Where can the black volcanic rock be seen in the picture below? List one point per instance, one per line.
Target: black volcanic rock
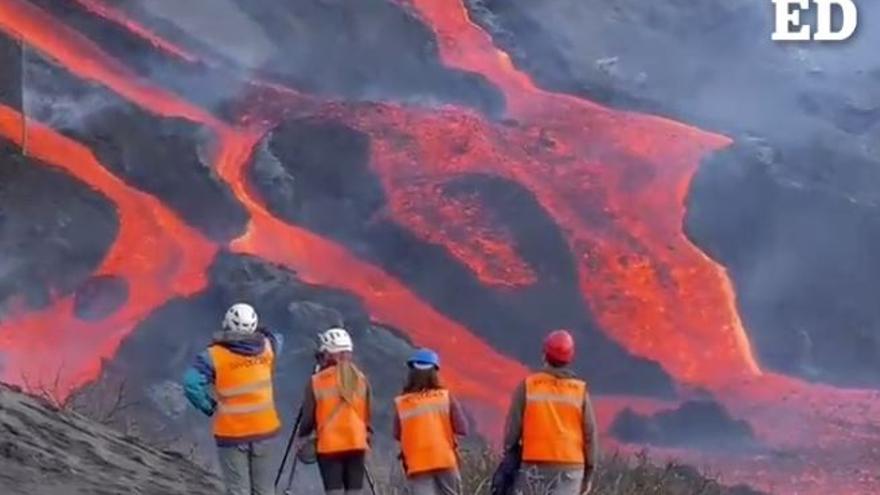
(10, 77)
(321, 176)
(664, 57)
(54, 230)
(369, 49)
(366, 50)
(99, 297)
(162, 156)
(806, 271)
(701, 424)
(151, 361)
(315, 172)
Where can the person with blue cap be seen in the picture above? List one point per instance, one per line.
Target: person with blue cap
(427, 422)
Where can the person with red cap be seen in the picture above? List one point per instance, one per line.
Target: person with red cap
(551, 425)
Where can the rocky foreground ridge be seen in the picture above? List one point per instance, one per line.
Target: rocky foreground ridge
(48, 451)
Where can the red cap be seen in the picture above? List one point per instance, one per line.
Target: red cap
(559, 347)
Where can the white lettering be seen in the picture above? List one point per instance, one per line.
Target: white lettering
(823, 20)
(788, 17)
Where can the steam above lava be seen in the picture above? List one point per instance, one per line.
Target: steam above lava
(612, 182)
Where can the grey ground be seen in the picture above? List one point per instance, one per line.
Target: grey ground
(44, 451)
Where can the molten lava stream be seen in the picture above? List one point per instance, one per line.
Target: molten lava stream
(469, 230)
(604, 145)
(476, 371)
(650, 288)
(481, 374)
(157, 255)
(85, 59)
(113, 14)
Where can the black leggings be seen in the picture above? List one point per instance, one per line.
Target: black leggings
(342, 471)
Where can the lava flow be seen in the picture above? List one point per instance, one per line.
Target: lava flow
(635, 264)
(467, 228)
(314, 259)
(154, 252)
(477, 372)
(614, 183)
(113, 14)
(82, 57)
(649, 287)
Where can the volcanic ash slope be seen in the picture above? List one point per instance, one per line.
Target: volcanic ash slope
(45, 451)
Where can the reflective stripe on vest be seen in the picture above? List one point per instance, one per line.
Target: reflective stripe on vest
(243, 385)
(426, 435)
(560, 398)
(341, 426)
(553, 422)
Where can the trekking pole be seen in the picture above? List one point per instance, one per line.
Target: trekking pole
(289, 447)
(292, 439)
(290, 476)
(370, 480)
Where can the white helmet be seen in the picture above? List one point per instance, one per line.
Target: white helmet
(335, 340)
(241, 318)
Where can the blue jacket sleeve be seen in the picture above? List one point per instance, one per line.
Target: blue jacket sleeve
(197, 382)
(275, 339)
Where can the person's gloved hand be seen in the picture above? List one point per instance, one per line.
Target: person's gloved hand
(306, 450)
(208, 407)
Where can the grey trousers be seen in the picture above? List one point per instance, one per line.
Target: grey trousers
(247, 469)
(549, 480)
(436, 483)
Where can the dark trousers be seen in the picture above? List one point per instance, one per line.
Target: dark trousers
(342, 472)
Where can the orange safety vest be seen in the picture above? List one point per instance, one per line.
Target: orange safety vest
(340, 426)
(426, 435)
(245, 398)
(553, 422)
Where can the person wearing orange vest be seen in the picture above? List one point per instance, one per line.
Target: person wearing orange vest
(427, 420)
(232, 381)
(336, 413)
(551, 421)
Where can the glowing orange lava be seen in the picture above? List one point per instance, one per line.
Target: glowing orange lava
(154, 251)
(467, 228)
(614, 182)
(635, 264)
(113, 14)
(649, 287)
(85, 59)
(474, 368)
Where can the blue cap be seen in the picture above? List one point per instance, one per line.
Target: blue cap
(424, 359)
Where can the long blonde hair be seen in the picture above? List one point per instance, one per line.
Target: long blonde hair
(347, 376)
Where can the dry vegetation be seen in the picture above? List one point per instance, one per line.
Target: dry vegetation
(104, 402)
(617, 475)
(107, 402)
